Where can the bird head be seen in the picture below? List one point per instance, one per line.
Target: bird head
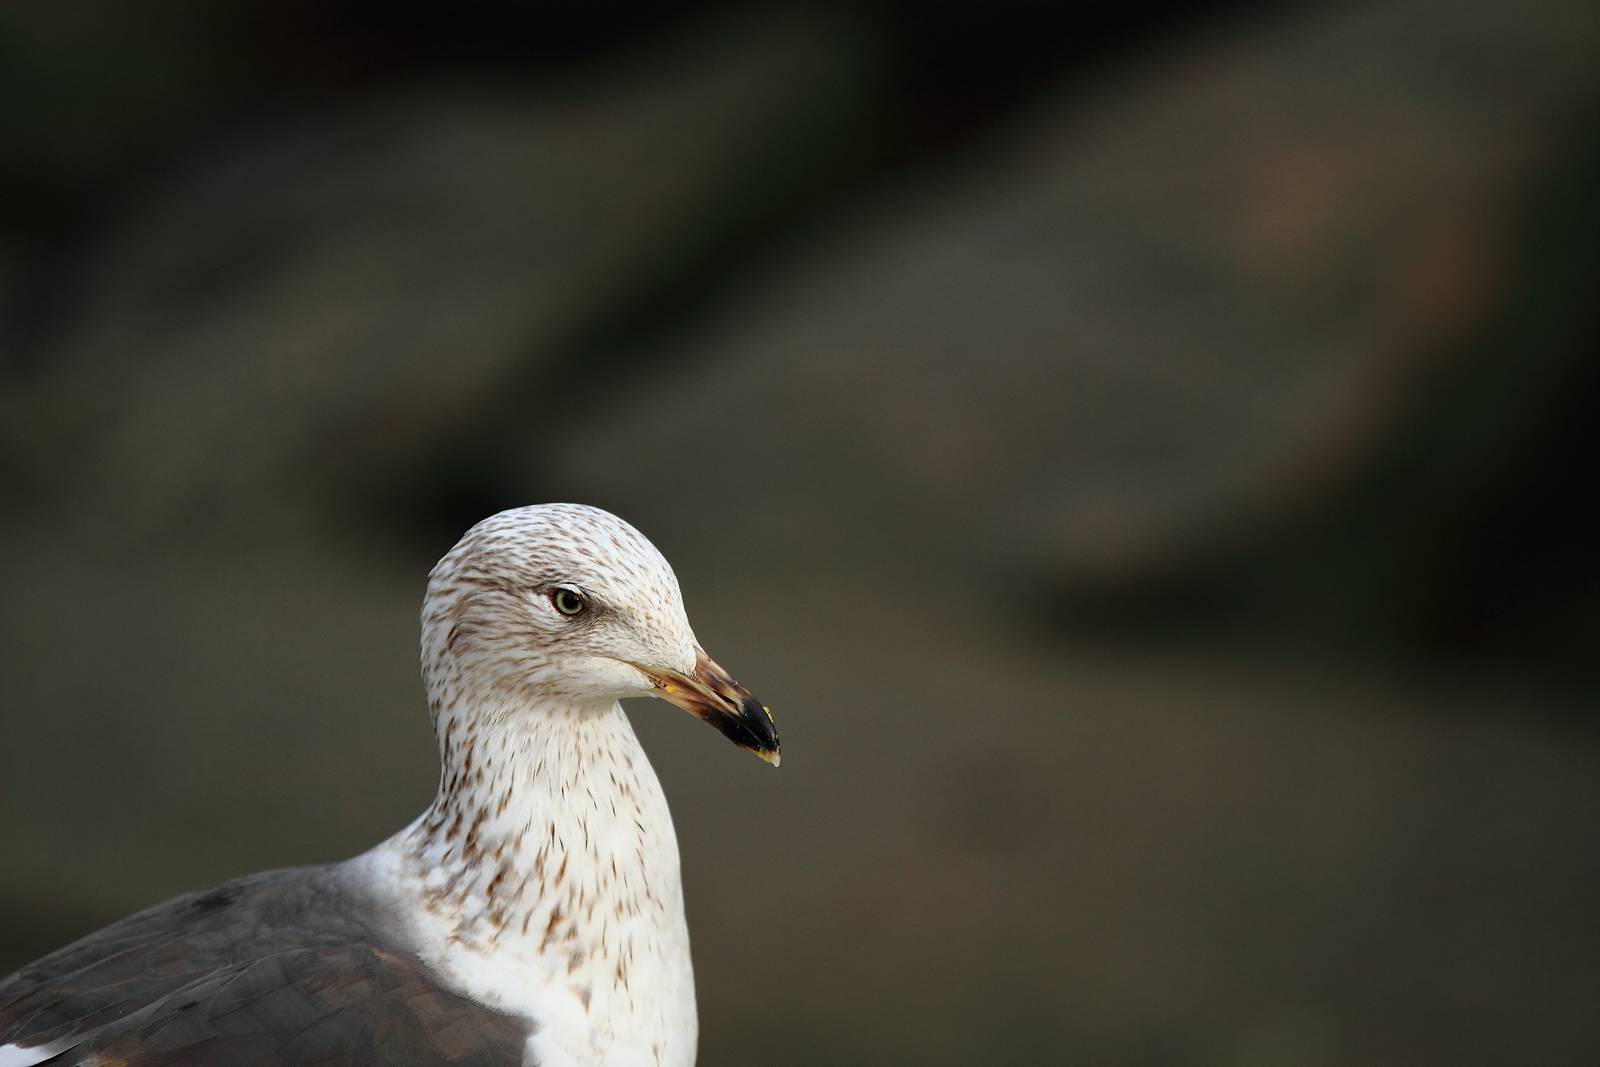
(564, 605)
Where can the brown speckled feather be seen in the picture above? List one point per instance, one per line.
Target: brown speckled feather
(287, 967)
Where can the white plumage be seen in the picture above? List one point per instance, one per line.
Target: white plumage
(544, 879)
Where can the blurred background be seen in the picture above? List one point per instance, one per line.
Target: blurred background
(1144, 459)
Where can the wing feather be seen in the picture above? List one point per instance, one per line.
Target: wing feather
(282, 968)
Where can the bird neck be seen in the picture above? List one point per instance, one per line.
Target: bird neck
(544, 877)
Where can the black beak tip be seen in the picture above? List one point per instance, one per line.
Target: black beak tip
(754, 729)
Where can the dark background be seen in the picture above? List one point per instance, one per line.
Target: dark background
(1145, 460)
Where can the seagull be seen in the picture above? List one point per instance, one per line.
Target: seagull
(532, 914)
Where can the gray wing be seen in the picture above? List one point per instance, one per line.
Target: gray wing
(278, 968)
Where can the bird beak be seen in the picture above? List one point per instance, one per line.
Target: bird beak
(711, 694)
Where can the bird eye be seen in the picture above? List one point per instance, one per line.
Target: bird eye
(568, 601)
